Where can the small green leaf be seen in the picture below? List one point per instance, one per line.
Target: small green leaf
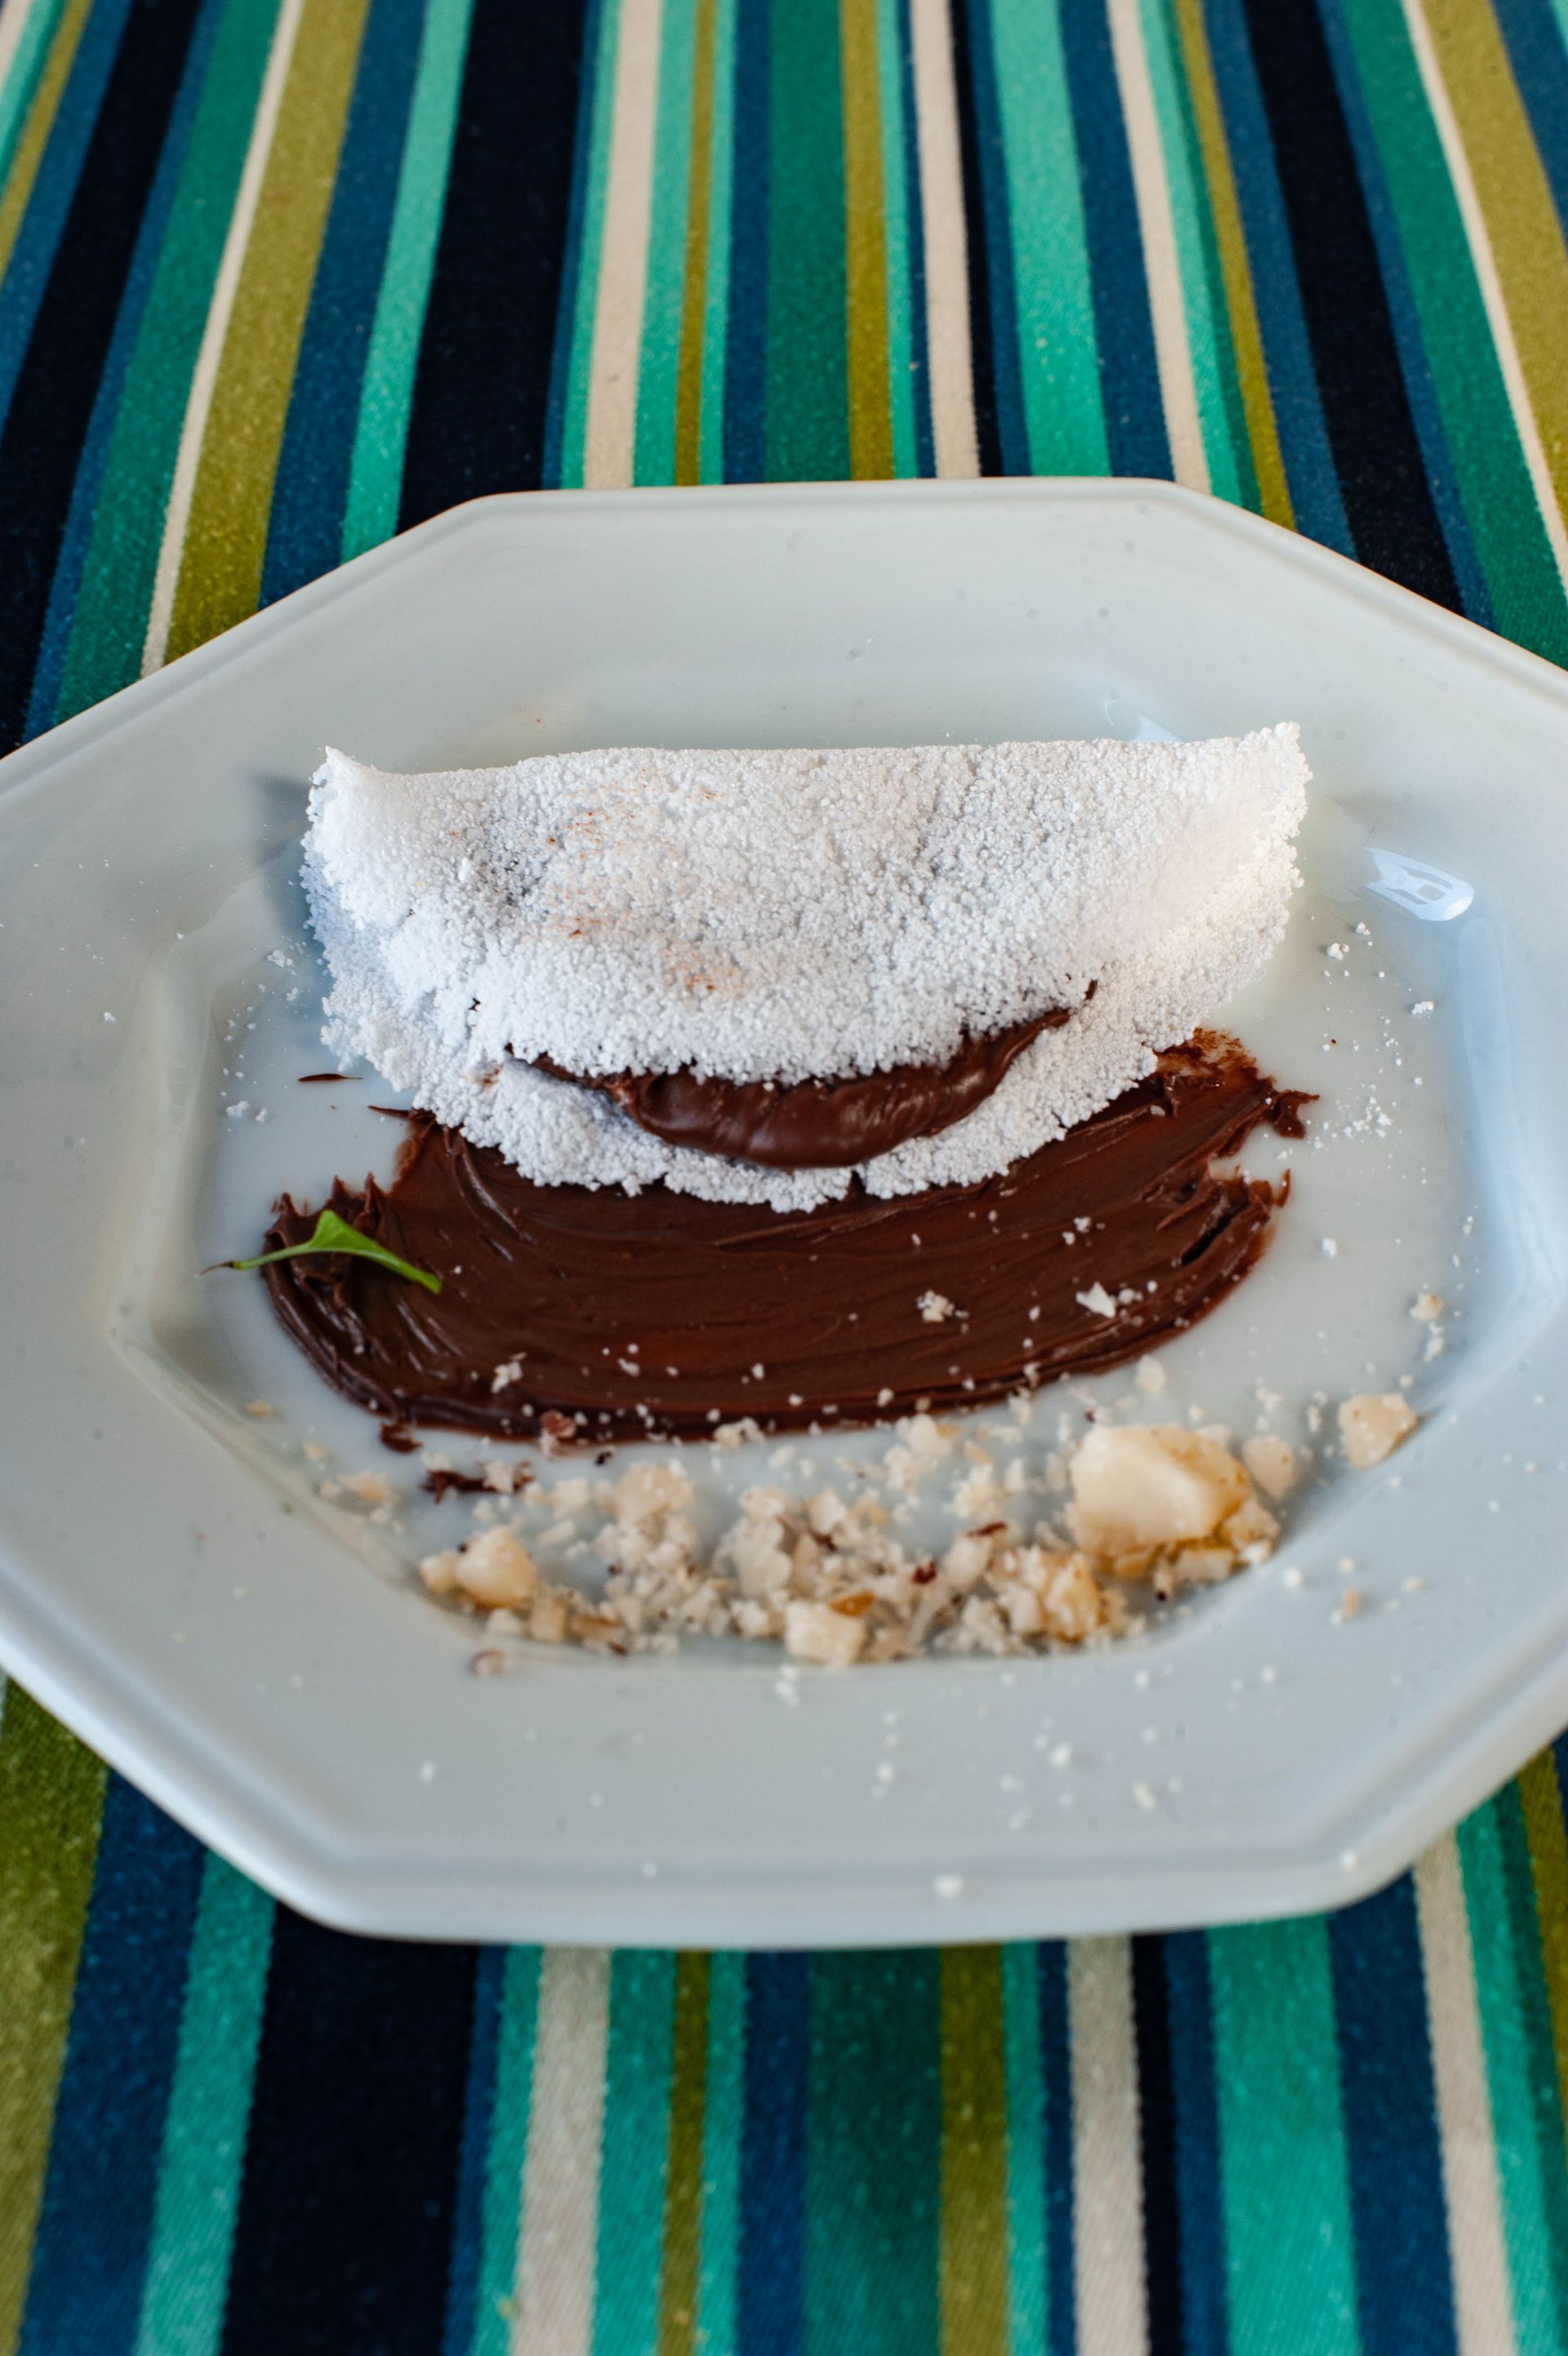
(335, 1235)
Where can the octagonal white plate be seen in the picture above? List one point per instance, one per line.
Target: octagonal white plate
(266, 1667)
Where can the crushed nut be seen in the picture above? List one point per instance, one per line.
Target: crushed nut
(1372, 1425)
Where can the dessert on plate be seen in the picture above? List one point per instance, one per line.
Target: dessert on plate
(804, 1087)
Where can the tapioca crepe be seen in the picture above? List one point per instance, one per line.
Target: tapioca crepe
(792, 917)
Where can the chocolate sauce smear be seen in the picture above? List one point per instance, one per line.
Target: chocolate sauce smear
(818, 1124)
(600, 1315)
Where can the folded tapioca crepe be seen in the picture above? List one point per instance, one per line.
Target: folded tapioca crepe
(496, 937)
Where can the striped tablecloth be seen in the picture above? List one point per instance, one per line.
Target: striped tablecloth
(281, 276)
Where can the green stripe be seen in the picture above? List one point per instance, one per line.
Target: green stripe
(110, 618)
(16, 93)
(1058, 356)
(386, 396)
(723, 2127)
(580, 343)
(975, 2280)
(898, 197)
(494, 2293)
(715, 309)
(226, 539)
(51, 1801)
(1527, 2117)
(34, 136)
(874, 2155)
(633, 2162)
(209, 2104)
(1027, 2288)
(663, 302)
(1499, 498)
(1287, 2218)
(682, 2237)
(807, 421)
(1221, 418)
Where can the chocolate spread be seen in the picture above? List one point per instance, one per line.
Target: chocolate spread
(591, 1313)
(817, 1124)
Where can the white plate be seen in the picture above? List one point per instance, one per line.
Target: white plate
(265, 1666)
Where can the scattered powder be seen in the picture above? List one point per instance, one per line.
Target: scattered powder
(783, 915)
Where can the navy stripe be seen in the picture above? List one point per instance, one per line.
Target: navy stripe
(482, 387)
(91, 2255)
(1156, 2100)
(1056, 2148)
(981, 260)
(770, 2261)
(986, 189)
(58, 385)
(1377, 458)
(473, 2156)
(745, 328)
(49, 207)
(1129, 370)
(1198, 2188)
(304, 531)
(1403, 2290)
(351, 2171)
(1539, 61)
(1436, 460)
(49, 669)
(1303, 438)
(914, 232)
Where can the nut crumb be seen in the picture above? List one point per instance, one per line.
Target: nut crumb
(1372, 1425)
(935, 1308)
(260, 1407)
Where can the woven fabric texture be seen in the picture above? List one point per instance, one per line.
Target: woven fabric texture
(280, 277)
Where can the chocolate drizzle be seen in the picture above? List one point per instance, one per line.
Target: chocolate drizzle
(817, 1124)
(591, 1313)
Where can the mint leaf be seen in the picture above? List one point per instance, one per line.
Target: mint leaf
(335, 1235)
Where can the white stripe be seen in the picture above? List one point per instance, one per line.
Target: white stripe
(1482, 2305)
(1108, 2186)
(1162, 269)
(610, 430)
(558, 2233)
(948, 357)
(13, 16)
(1491, 286)
(199, 402)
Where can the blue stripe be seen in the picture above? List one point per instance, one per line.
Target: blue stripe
(1130, 377)
(42, 709)
(915, 235)
(1404, 2287)
(1415, 373)
(32, 257)
(1199, 2193)
(91, 2254)
(745, 341)
(990, 173)
(1055, 2149)
(305, 530)
(1303, 437)
(478, 2113)
(571, 258)
(1541, 69)
(771, 2273)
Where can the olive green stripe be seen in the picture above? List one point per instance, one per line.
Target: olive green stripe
(1541, 1805)
(1235, 269)
(51, 1802)
(1478, 424)
(1521, 219)
(865, 245)
(226, 537)
(694, 287)
(974, 2270)
(40, 123)
(684, 2167)
(715, 297)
